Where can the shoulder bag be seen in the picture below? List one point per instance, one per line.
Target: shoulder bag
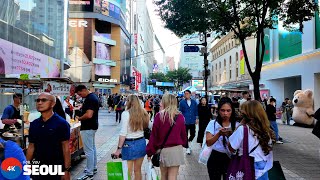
(156, 158)
(242, 167)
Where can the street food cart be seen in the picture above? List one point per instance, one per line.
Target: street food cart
(34, 86)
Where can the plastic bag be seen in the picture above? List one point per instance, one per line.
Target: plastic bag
(205, 154)
(151, 172)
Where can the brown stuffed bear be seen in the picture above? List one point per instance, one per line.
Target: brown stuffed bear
(303, 107)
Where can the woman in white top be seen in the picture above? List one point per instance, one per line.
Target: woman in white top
(132, 144)
(260, 138)
(217, 133)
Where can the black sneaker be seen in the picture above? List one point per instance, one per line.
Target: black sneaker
(85, 177)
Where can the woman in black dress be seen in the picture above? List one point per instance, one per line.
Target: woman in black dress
(205, 116)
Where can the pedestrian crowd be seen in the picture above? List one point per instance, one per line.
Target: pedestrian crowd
(236, 136)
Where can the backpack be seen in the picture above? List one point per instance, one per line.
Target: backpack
(156, 102)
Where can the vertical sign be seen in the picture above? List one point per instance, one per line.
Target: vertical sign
(242, 63)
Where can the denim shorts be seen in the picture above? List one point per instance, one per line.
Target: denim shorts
(260, 165)
(135, 149)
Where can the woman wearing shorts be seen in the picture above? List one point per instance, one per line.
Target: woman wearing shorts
(171, 156)
(132, 144)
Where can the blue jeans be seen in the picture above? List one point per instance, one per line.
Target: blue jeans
(89, 147)
(274, 127)
(260, 166)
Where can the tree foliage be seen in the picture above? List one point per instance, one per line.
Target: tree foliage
(180, 75)
(245, 18)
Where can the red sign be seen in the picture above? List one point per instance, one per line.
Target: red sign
(135, 38)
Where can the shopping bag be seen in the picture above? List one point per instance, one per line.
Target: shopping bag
(151, 172)
(242, 167)
(117, 170)
(204, 154)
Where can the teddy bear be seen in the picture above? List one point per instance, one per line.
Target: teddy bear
(303, 107)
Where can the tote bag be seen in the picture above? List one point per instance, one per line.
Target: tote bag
(242, 167)
(117, 170)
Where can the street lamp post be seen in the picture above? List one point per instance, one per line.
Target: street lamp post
(204, 53)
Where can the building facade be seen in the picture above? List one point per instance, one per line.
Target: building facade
(143, 45)
(32, 39)
(228, 69)
(291, 62)
(99, 44)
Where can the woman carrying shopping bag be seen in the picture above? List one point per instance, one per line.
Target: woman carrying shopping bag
(132, 144)
(217, 133)
(168, 137)
(255, 136)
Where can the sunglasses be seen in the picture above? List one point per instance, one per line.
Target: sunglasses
(42, 100)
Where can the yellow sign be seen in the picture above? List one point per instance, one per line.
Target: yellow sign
(242, 63)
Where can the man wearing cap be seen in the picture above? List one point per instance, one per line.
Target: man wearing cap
(49, 139)
(12, 113)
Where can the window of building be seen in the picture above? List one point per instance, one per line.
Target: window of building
(232, 43)
(225, 63)
(219, 65)
(230, 74)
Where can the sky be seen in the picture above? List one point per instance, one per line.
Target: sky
(165, 36)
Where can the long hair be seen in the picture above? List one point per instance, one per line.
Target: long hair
(139, 118)
(57, 108)
(169, 104)
(223, 101)
(200, 104)
(256, 118)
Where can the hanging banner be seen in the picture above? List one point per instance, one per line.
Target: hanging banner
(242, 63)
(57, 89)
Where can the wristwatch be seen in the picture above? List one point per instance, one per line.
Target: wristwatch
(67, 169)
(119, 147)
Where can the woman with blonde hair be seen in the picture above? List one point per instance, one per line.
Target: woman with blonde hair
(260, 138)
(132, 144)
(170, 148)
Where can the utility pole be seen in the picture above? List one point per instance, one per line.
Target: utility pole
(204, 53)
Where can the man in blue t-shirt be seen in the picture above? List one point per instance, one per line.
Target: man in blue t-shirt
(89, 126)
(49, 138)
(11, 113)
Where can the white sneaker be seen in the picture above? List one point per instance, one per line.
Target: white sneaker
(188, 151)
(279, 142)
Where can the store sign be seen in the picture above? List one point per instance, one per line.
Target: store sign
(107, 80)
(78, 23)
(56, 88)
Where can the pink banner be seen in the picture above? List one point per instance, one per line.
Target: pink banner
(20, 60)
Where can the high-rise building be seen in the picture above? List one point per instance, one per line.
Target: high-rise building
(143, 44)
(99, 44)
(170, 63)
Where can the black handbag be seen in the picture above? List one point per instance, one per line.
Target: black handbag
(147, 133)
(156, 157)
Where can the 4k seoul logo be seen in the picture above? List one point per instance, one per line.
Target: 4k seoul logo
(11, 168)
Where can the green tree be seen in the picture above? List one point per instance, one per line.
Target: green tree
(180, 75)
(246, 18)
(160, 77)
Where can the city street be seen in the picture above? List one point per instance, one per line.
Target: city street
(299, 156)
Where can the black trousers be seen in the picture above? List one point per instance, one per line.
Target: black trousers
(218, 165)
(156, 109)
(118, 115)
(192, 129)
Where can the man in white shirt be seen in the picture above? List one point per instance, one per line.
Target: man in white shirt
(245, 96)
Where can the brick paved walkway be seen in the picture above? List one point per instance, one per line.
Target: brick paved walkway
(299, 156)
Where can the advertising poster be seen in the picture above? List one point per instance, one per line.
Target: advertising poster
(197, 83)
(15, 59)
(125, 59)
(242, 63)
(132, 83)
(97, 6)
(81, 5)
(56, 88)
(103, 51)
(80, 50)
